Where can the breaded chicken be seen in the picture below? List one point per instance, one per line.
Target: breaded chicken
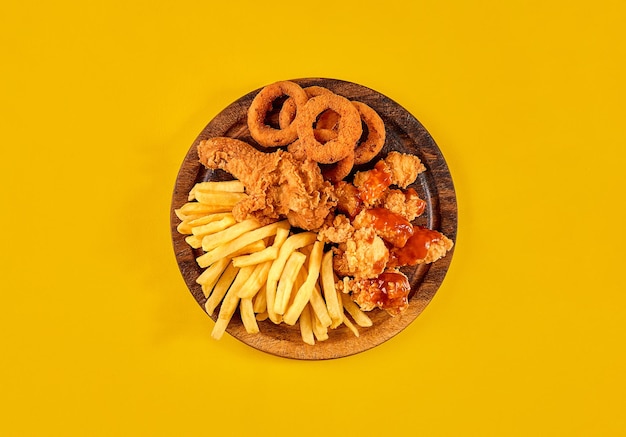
(405, 203)
(404, 168)
(277, 184)
(365, 255)
(339, 231)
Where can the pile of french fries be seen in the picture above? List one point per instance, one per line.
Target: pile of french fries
(267, 271)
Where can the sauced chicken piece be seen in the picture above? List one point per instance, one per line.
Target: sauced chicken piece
(405, 203)
(391, 227)
(424, 247)
(277, 184)
(388, 291)
(339, 231)
(372, 184)
(365, 255)
(404, 168)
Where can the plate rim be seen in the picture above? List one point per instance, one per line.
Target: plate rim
(433, 277)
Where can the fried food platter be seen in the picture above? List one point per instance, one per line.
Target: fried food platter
(404, 133)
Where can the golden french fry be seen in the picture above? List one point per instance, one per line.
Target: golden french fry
(240, 242)
(306, 328)
(319, 306)
(281, 236)
(359, 317)
(256, 281)
(319, 330)
(186, 225)
(330, 292)
(260, 304)
(194, 241)
(291, 244)
(219, 198)
(261, 316)
(214, 226)
(221, 288)
(233, 186)
(303, 295)
(267, 254)
(250, 248)
(222, 237)
(210, 276)
(287, 278)
(229, 303)
(248, 317)
(350, 325)
(198, 209)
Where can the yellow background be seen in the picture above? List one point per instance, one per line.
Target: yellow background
(100, 102)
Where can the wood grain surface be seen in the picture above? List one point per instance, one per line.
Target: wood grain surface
(405, 134)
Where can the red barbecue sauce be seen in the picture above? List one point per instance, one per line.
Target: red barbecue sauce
(377, 181)
(390, 291)
(416, 247)
(392, 227)
(411, 193)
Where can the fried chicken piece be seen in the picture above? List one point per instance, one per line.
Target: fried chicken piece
(277, 184)
(365, 255)
(424, 247)
(404, 168)
(405, 203)
(339, 231)
(391, 227)
(372, 184)
(348, 200)
(388, 291)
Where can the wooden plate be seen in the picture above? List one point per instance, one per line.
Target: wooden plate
(405, 134)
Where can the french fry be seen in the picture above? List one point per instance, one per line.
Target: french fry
(222, 237)
(291, 244)
(214, 226)
(306, 328)
(210, 276)
(233, 186)
(221, 288)
(267, 254)
(261, 316)
(260, 304)
(194, 241)
(303, 294)
(319, 306)
(240, 242)
(248, 317)
(185, 226)
(287, 278)
(256, 281)
(319, 330)
(229, 303)
(350, 325)
(219, 199)
(281, 236)
(359, 317)
(198, 209)
(335, 310)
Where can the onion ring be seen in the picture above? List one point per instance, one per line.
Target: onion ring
(339, 170)
(366, 150)
(263, 134)
(288, 111)
(321, 135)
(348, 132)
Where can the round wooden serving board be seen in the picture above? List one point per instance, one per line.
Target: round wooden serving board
(405, 134)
